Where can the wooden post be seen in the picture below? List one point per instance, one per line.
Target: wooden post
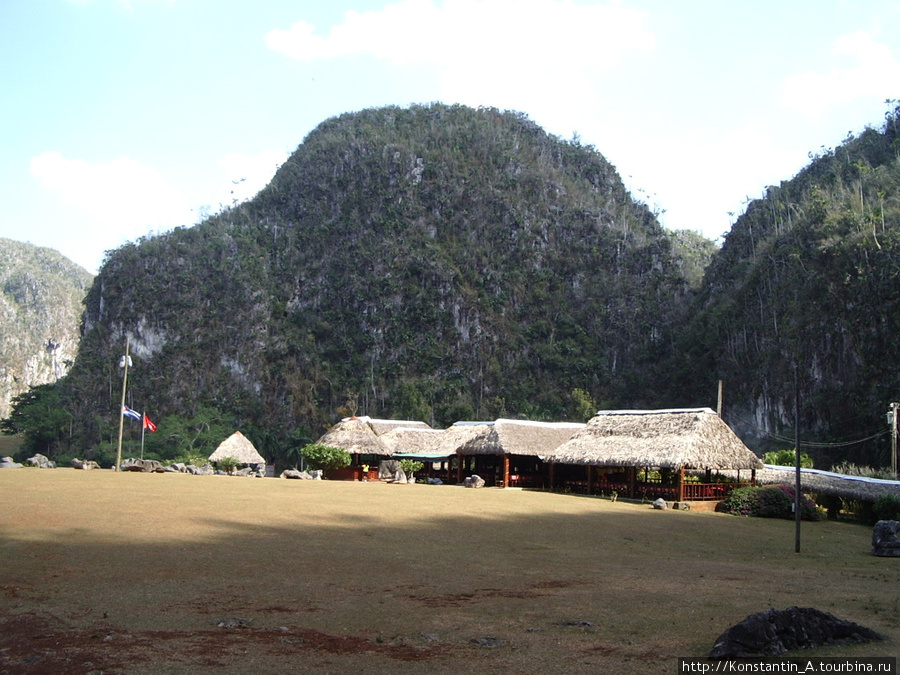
(681, 483)
(552, 470)
(632, 478)
(506, 471)
(590, 473)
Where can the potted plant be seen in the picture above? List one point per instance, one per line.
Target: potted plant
(410, 466)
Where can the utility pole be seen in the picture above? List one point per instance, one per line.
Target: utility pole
(124, 363)
(719, 403)
(893, 418)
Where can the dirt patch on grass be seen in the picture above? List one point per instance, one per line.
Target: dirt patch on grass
(145, 573)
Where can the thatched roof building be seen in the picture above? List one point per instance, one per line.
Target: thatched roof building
(240, 448)
(413, 441)
(828, 483)
(356, 437)
(381, 427)
(519, 437)
(671, 439)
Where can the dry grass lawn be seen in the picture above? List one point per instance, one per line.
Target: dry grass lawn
(147, 573)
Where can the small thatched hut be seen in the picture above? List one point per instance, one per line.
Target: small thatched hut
(619, 443)
(241, 449)
(511, 452)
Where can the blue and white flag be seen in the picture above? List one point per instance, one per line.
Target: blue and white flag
(133, 414)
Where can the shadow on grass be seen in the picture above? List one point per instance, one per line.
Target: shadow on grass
(396, 575)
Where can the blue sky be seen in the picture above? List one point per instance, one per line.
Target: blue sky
(121, 118)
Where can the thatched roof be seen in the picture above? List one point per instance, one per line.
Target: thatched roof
(413, 440)
(519, 437)
(828, 483)
(355, 436)
(381, 427)
(238, 446)
(694, 439)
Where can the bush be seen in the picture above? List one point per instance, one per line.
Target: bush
(410, 466)
(325, 457)
(788, 458)
(771, 501)
(886, 507)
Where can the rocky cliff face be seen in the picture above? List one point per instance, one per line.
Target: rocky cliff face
(435, 263)
(41, 296)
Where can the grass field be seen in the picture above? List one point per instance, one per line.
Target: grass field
(146, 573)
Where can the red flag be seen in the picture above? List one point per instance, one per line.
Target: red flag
(148, 425)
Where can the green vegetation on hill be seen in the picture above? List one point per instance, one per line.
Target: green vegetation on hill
(41, 295)
(443, 263)
(808, 277)
(436, 263)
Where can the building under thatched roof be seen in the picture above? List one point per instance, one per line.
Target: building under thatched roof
(832, 484)
(356, 437)
(381, 427)
(671, 439)
(240, 448)
(414, 441)
(519, 437)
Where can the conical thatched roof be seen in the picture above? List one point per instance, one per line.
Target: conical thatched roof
(459, 434)
(695, 439)
(519, 437)
(356, 437)
(238, 446)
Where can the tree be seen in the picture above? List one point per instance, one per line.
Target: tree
(325, 457)
(39, 417)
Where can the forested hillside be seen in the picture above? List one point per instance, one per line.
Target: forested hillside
(809, 277)
(41, 294)
(436, 263)
(442, 263)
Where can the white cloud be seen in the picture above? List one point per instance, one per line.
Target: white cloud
(484, 40)
(874, 73)
(122, 199)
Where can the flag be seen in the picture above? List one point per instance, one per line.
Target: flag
(133, 414)
(148, 424)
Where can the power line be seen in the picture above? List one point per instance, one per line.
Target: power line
(814, 444)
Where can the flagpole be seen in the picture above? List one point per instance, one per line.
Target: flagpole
(143, 429)
(122, 406)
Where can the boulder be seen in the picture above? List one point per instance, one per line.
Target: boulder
(40, 461)
(775, 632)
(8, 463)
(86, 464)
(660, 504)
(884, 538)
(295, 474)
(145, 465)
(474, 481)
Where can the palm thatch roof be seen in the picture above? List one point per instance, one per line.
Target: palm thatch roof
(381, 427)
(413, 440)
(356, 437)
(240, 448)
(828, 483)
(519, 437)
(693, 438)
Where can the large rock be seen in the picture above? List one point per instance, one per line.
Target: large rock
(884, 538)
(775, 632)
(474, 481)
(145, 465)
(85, 464)
(40, 461)
(296, 474)
(8, 463)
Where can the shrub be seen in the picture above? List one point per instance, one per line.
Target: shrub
(850, 469)
(228, 464)
(771, 501)
(410, 466)
(788, 458)
(886, 507)
(325, 457)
